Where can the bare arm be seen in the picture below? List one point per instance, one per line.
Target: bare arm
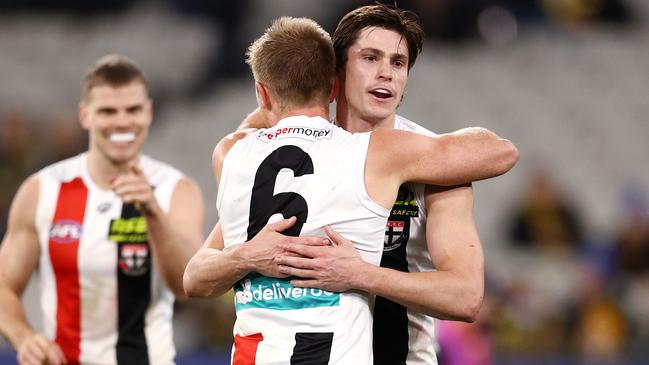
(456, 158)
(174, 236)
(255, 120)
(19, 255)
(214, 270)
(454, 291)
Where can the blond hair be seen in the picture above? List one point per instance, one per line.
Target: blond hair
(295, 60)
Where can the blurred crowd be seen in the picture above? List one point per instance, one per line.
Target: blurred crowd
(555, 290)
(29, 142)
(496, 22)
(566, 293)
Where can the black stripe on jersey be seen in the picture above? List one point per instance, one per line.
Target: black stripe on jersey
(312, 348)
(134, 296)
(390, 342)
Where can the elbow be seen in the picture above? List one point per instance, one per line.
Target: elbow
(511, 156)
(181, 295)
(191, 287)
(470, 309)
(508, 157)
(179, 290)
(466, 305)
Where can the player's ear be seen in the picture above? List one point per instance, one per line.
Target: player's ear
(334, 90)
(263, 98)
(149, 107)
(338, 81)
(83, 115)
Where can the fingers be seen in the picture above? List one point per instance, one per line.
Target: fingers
(336, 238)
(306, 283)
(60, 355)
(55, 355)
(282, 225)
(35, 352)
(293, 271)
(310, 241)
(125, 184)
(29, 358)
(135, 169)
(38, 350)
(133, 187)
(305, 250)
(295, 262)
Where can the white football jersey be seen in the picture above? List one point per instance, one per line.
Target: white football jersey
(402, 336)
(311, 169)
(102, 300)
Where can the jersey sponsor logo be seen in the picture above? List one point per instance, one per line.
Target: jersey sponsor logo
(257, 291)
(131, 230)
(397, 231)
(133, 258)
(65, 231)
(310, 134)
(406, 204)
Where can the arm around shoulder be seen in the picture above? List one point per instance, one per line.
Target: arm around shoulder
(499, 155)
(256, 119)
(449, 159)
(222, 148)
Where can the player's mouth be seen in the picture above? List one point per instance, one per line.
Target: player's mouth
(122, 137)
(381, 93)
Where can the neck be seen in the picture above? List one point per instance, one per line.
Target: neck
(102, 170)
(353, 122)
(311, 111)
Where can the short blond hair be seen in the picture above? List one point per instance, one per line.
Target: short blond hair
(113, 70)
(295, 60)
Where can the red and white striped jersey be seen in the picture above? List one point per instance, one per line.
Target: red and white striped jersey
(102, 300)
(308, 168)
(402, 336)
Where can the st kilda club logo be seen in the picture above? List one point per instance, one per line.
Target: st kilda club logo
(134, 258)
(131, 237)
(397, 231)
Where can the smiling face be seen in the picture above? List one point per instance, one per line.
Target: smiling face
(375, 75)
(117, 120)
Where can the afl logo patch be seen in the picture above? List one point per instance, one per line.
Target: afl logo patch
(66, 231)
(133, 258)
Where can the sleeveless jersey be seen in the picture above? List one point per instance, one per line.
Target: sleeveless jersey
(102, 300)
(400, 335)
(311, 169)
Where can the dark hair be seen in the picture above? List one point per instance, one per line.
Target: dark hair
(114, 70)
(404, 22)
(295, 60)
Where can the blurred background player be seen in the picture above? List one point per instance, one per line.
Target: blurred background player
(110, 231)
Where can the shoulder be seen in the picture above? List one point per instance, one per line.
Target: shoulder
(405, 124)
(159, 172)
(64, 170)
(30, 185)
(188, 191)
(24, 204)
